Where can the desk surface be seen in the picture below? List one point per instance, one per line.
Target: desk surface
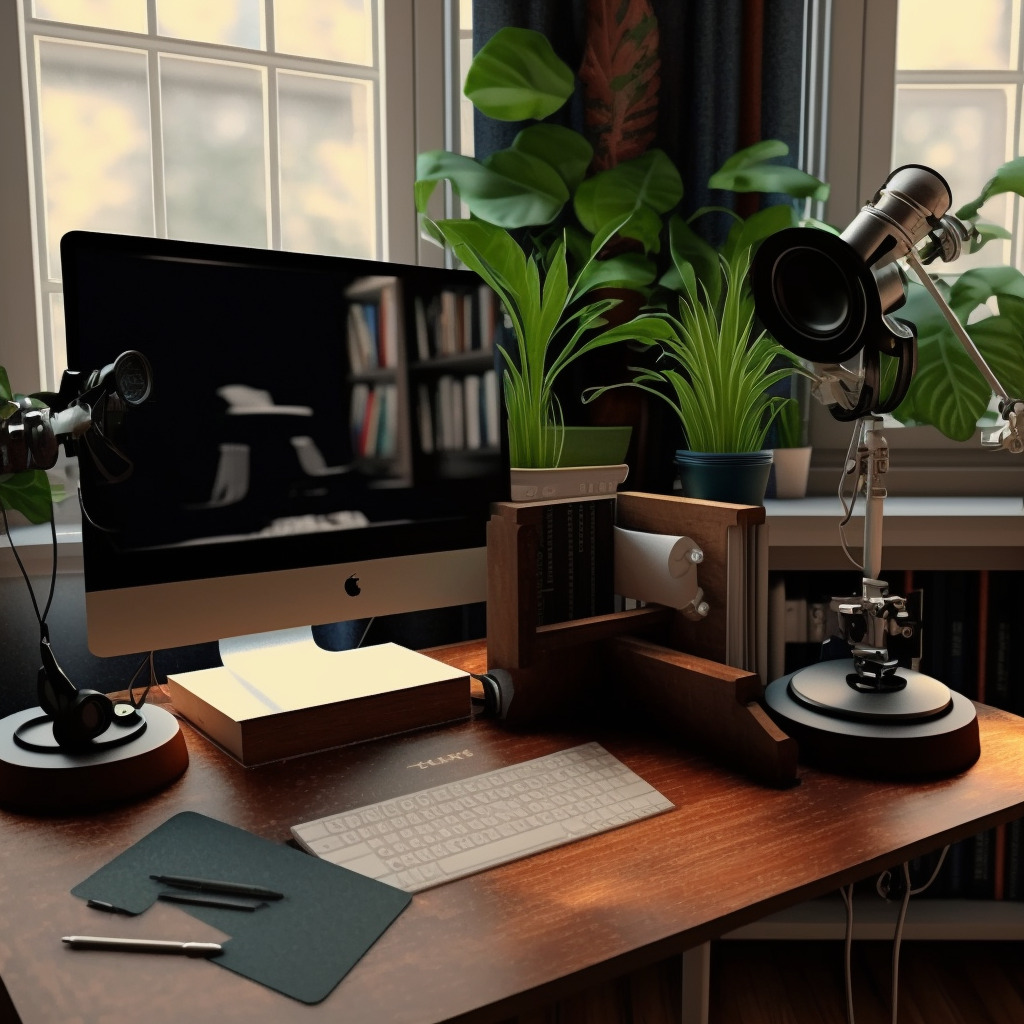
(486, 947)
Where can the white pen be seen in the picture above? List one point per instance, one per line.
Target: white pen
(143, 945)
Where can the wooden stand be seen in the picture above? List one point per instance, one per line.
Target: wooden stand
(633, 662)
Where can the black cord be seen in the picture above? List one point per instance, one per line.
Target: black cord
(148, 660)
(28, 583)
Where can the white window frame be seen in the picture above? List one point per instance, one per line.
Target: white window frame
(848, 142)
(410, 103)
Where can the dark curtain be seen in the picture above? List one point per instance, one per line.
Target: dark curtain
(731, 75)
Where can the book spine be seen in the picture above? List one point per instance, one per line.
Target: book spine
(582, 561)
(604, 557)
(546, 613)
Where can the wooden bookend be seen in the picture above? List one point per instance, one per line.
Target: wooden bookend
(557, 669)
(712, 706)
(708, 523)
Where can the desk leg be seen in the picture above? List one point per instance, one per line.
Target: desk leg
(696, 984)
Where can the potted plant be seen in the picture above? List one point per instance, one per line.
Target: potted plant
(717, 375)
(791, 458)
(554, 325)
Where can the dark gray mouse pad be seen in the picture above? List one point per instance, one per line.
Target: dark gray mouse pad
(302, 945)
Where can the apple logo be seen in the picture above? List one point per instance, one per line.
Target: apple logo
(352, 586)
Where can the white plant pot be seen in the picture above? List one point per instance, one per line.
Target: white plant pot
(566, 482)
(791, 466)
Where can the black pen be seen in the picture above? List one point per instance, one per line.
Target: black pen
(212, 885)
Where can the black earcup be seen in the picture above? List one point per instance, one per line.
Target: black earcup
(86, 717)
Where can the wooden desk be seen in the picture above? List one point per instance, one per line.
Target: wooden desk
(497, 944)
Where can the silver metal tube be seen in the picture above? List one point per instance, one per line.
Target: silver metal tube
(962, 336)
(874, 497)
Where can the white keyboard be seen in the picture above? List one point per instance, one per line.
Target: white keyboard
(424, 839)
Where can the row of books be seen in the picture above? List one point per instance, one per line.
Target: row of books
(373, 420)
(971, 640)
(459, 413)
(575, 563)
(453, 322)
(372, 335)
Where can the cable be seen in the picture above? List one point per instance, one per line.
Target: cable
(856, 490)
(41, 618)
(148, 660)
(897, 938)
(847, 972)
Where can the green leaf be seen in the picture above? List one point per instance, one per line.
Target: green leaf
(757, 227)
(747, 171)
(633, 193)
(566, 151)
(687, 247)
(1009, 178)
(517, 75)
(1001, 344)
(5, 386)
(510, 189)
(975, 287)
(982, 233)
(628, 270)
(27, 492)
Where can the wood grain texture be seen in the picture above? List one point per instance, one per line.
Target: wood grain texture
(707, 704)
(501, 943)
(708, 523)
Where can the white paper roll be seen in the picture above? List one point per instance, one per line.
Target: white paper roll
(658, 568)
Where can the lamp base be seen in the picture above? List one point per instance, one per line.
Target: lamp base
(38, 779)
(921, 731)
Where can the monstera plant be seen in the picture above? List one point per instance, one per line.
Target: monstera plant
(948, 391)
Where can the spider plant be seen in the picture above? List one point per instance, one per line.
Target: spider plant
(713, 374)
(553, 325)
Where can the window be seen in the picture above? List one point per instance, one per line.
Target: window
(958, 97)
(283, 123)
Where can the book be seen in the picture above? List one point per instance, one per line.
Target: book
(458, 410)
(426, 419)
(422, 334)
(279, 702)
(471, 395)
(445, 417)
(575, 562)
(490, 401)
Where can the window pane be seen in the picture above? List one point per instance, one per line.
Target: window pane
(328, 191)
(58, 340)
(339, 30)
(465, 13)
(465, 106)
(95, 137)
(963, 133)
(946, 34)
(127, 15)
(232, 22)
(214, 157)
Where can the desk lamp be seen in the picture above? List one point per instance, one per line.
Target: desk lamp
(828, 298)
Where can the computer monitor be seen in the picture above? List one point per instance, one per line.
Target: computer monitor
(322, 443)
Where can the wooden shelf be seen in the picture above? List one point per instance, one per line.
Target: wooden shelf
(477, 359)
(380, 373)
(937, 919)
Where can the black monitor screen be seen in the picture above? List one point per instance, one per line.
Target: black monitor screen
(306, 410)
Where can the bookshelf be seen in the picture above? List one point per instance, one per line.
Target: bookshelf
(377, 381)
(453, 384)
(974, 549)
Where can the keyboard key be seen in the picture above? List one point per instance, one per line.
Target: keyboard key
(498, 851)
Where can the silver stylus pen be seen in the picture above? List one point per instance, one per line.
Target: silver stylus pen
(143, 945)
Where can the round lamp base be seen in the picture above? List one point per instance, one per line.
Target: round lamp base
(56, 781)
(916, 736)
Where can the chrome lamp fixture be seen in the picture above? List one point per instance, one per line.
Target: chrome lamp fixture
(828, 299)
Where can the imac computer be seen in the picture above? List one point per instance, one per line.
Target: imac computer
(322, 443)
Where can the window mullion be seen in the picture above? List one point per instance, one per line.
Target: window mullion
(273, 131)
(157, 135)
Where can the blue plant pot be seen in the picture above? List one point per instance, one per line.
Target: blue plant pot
(736, 477)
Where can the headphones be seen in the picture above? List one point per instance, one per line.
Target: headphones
(80, 717)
